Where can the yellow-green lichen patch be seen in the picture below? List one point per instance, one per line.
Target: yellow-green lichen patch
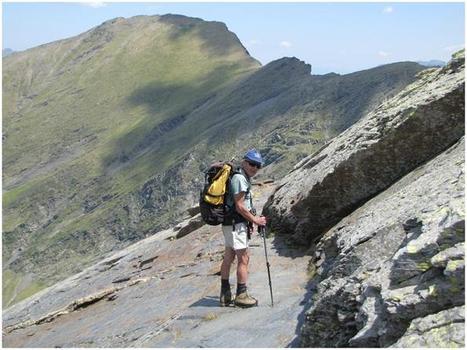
(424, 266)
(454, 265)
(433, 291)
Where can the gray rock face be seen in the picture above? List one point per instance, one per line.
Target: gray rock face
(392, 272)
(403, 133)
(444, 329)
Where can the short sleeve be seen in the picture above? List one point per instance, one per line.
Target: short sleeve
(239, 184)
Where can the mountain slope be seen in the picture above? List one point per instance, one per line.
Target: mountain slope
(76, 109)
(106, 134)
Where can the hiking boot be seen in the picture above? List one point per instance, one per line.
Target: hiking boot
(244, 300)
(226, 298)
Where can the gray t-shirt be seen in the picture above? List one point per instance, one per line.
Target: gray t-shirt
(240, 183)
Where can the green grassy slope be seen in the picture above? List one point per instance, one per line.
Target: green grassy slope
(76, 110)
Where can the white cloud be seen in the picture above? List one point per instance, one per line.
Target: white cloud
(254, 42)
(285, 44)
(383, 54)
(94, 4)
(388, 9)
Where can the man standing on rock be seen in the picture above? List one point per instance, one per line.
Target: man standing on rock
(237, 228)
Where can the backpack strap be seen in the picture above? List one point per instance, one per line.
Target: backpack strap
(238, 170)
(231, 213)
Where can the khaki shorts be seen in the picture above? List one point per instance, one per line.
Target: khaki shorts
(237, 239)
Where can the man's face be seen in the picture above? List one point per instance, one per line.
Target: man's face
(251, 168)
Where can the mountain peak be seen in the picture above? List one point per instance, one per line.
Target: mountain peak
(290, 64)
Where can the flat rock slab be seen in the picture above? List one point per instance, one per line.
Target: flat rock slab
(163, 292)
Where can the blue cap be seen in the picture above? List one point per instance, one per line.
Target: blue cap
(254, 156)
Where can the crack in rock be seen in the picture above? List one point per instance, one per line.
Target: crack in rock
(80, 303)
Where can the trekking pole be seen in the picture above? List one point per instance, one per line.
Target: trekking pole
(262, 231)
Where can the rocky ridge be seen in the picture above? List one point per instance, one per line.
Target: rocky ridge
(6, 52)
(399, 135)
(390, 269)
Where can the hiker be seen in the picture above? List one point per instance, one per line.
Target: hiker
(237, 228)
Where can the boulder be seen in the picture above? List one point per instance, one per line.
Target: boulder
(401, 134)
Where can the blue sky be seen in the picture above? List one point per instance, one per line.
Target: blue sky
(332, 37)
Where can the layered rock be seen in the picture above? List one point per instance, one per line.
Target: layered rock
(392, 272)
(401, 134)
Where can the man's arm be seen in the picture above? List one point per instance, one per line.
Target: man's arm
(239, 200)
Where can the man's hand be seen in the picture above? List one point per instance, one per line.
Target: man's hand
(260, 220)
(243, 211)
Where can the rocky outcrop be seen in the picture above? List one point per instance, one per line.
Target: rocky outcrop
(401, 134)
(394, 268)
(382, 209)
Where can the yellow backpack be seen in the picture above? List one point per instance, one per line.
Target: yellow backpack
(214, 193)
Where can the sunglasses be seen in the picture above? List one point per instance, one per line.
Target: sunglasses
(256, 165)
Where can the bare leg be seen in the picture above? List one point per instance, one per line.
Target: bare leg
(243, 258)
(229, 257)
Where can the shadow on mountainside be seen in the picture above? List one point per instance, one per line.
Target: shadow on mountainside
(167, 116)
(286, 247)
(281, 243)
